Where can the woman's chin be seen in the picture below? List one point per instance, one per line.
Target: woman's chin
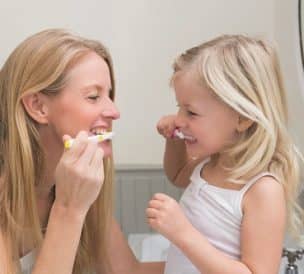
(107, 148)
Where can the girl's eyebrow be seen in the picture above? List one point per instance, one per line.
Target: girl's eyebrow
(184, 105)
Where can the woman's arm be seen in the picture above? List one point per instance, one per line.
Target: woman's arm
(61, 241)
(79, 177)
(122, 259)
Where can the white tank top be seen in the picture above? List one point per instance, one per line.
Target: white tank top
(215, 212)
(27, 262)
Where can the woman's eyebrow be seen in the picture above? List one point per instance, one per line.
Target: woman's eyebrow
(97, 87)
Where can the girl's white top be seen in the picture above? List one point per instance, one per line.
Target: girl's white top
(27, 262)
(215, 212)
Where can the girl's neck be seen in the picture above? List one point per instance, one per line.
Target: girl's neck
(215, 174)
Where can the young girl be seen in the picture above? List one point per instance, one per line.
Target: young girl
(236, 161)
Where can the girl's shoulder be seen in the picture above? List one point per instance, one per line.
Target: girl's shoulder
(266, 191)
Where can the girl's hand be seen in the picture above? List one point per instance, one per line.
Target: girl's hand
(166, 217)
(79, 175)
(166, 126)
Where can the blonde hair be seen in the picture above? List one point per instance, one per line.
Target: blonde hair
(245, 74)
(40, 64)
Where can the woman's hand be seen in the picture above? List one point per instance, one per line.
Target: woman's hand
(166, 126)
(166, 217)
(79, 175)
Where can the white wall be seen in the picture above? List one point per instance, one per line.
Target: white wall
(287, 35)
(144, 37)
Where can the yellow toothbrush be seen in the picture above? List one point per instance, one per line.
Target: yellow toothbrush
(95, 138)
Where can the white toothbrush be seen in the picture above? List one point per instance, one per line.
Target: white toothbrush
(95, 138)
(178, 134)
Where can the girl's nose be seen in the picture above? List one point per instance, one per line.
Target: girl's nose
(179, 120)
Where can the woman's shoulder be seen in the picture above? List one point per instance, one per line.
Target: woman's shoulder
(1, 180)
(3, 249)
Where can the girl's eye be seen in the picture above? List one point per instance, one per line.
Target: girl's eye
(190, 113)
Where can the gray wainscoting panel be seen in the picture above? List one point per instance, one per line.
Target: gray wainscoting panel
(133, 190)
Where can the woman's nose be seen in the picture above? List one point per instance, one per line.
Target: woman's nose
(111, 111)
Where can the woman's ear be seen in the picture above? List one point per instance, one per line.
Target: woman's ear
(36, 107)
(243, 124)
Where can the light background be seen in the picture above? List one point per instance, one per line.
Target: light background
(144, 37)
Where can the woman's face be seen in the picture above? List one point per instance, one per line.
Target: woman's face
(84, 104)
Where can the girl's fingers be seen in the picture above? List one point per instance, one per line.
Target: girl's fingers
(157, 204)
(152, 213)
(160, 197)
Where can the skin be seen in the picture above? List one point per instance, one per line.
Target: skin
(212, 126)
(80, 108)
(78, 172)
(77, 111)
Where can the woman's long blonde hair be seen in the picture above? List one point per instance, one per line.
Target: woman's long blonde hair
(40, 64)
(245, 74)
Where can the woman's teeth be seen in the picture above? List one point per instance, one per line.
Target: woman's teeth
(98, 131)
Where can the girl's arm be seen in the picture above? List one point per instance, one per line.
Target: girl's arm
(262, 232)
(177, 165)
(175, 160)
(263, 227)
(122, 259)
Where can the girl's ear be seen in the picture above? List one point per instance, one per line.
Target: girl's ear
(36, 107)
(243, 124)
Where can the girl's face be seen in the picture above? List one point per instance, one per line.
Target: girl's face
(84, 103)
(210, 123)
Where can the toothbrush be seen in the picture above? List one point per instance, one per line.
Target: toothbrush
(178, 134)
(95, 138)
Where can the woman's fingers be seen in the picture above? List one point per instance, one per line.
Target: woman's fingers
(97, 164)
(79, 145)
(80, 174)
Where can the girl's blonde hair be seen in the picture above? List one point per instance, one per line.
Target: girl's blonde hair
(245, 74)
(40, 64)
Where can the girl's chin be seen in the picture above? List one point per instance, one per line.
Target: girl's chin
(195, 153)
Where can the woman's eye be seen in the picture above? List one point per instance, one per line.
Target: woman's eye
(93, 97)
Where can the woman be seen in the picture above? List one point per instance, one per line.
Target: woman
(56, 204)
